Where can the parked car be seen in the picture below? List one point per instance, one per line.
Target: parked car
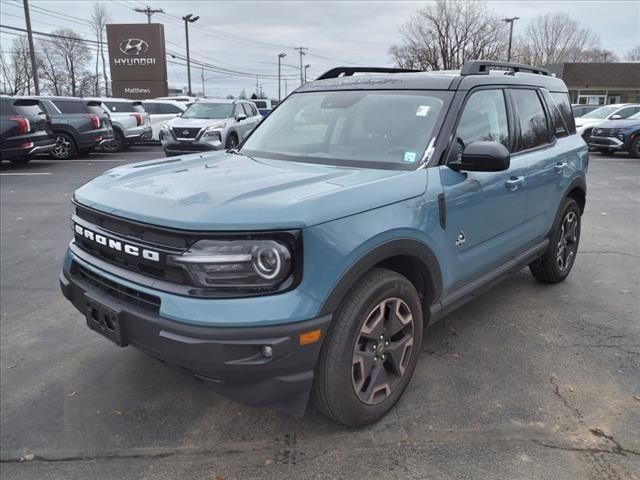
(25, 129)
(617, 136)
(580, 110)
(618, 111)
(209, 125)
(130, 121)
(264, 106)
(161, 111)
(313, 256)
(80, 125)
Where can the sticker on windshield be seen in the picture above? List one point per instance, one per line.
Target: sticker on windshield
(423, 110)
(410, 157)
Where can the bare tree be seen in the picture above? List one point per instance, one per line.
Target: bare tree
(599, 55)
(73, 54)
(100, 17)
(556, 38)
(51, 68)
(443, 35)
(633, 55)
(15, 66)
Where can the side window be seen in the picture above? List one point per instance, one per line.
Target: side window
(70, 106)
(238, 110)
(627, 112)
(484, 119)
(561, 101)
(534, 130)
(150, 108)
(168, 108)
(247, 110)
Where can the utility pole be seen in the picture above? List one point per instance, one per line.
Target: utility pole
(32, 52)
(257, 86)
(280, 57)
(187, 20)
(148, 12)
(286, 90)
(202, 78)
(301, 51)
(305, 73)
(510, 22)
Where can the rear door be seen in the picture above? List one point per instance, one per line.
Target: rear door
(485, 211)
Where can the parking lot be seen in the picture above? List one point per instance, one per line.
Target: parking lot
(527, 381)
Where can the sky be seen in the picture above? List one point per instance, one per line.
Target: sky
(247, 36)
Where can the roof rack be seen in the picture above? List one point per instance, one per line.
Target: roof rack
(482, 67)
(348, 71)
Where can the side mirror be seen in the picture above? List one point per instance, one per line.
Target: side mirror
(241, 116)
(483, 157)
(615, 117)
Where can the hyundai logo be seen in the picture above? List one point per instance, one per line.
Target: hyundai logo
(134, 46)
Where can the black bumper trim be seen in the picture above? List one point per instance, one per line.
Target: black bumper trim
(228, 359)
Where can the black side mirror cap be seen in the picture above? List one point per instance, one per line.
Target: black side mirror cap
(483, 157)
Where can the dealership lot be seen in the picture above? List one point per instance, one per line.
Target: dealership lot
(527, 381)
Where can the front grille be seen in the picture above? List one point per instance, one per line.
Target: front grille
(186, 132)
(115, 290)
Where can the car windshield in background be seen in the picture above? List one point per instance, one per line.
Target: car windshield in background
(372, 129)
(635, 116)
(209, 110)
(602, 112)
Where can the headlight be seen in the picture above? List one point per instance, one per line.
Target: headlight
(257, 265)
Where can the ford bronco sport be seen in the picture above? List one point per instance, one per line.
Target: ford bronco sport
(310, 259)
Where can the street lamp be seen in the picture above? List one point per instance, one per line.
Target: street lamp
(510, 22)
(187, 20)
(305, 73)
(280, 57)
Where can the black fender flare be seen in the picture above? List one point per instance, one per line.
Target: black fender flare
(578, 182)
(68, 131)
(426, 259)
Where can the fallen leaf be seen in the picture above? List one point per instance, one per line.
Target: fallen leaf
(571, 389)
(117, 412)
(27, 458)
(72, 394)
(13, 365)
(603, 213)
(219, 477)
(637, 397)
(455, 355)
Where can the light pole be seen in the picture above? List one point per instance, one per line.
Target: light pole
(510, 22)
(280, 57)
(187, 20)
(305, 73)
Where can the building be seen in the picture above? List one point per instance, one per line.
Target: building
(600, 83)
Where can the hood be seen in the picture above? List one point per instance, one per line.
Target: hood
(180, 122)
(619, 123)
(220, 191)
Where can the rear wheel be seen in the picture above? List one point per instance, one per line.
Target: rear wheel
(65, 147)
(118, 144)
(556, 262)
(371, 350)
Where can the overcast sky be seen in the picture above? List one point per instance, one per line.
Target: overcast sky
(242, 34)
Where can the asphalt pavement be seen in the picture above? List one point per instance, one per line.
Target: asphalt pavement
(529, 381)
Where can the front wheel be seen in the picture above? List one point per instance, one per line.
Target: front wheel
(232, 141)
(371, 350)
(65, 147)
(556, 262)
(117, 144)
(634, 150)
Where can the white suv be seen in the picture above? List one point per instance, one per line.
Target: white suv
(161, 111)
(618, 111)
(130, 123)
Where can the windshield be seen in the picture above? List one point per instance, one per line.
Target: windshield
(209, 110)
(374, 129)
(602, 112)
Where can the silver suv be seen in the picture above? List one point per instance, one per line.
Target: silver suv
(209, 124)
(130, 122)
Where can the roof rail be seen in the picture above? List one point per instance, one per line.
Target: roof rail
(483, 67)
(348, 71)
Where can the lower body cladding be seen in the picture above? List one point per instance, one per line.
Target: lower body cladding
(257, 366)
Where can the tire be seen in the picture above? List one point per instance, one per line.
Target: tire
(232, 141)
(557, 261)
(65, 148)
(20, 160)
(634, 149)
(353, 352)
(118, 144)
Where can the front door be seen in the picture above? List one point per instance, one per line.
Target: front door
(485, 211)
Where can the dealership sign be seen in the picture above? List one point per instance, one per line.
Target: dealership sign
(138, 60)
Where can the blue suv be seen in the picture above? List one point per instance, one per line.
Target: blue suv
(309, 260)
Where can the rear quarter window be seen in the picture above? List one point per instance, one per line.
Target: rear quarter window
(561, 101)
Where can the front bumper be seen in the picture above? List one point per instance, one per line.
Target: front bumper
(229, 359)
(180, 148)
(610, 143)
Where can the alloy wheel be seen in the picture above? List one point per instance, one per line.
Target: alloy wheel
(63, 147)
(382, 351)
(568, 241)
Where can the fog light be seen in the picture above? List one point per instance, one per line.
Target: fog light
(267, 351)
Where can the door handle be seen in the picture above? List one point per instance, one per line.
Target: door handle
(514, 182)
(559, 167)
